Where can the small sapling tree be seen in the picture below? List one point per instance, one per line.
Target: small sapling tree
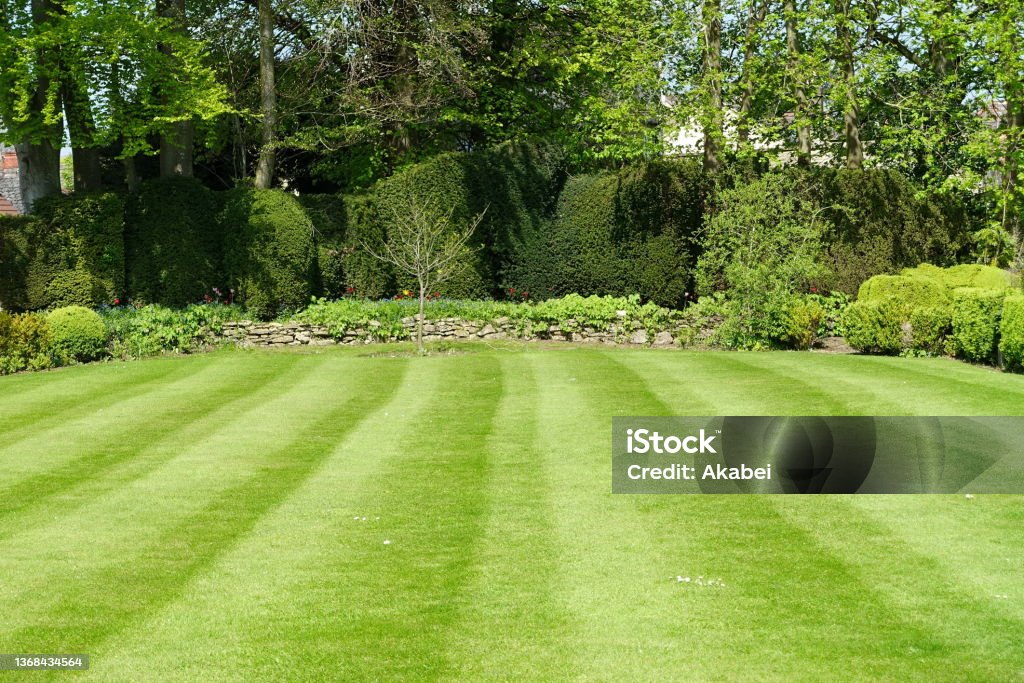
(424, 242)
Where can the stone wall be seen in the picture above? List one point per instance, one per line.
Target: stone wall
(10, 189)
(247, 333)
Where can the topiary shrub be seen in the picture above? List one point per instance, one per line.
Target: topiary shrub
(172, 242)
(79, 232)
(74, 288)
(873, 327)
(975, 321)
(270, 252)
(14, 261)
(77, 334)
(904, 292)
(24, 343)
(628, 232)
(966, 275)
(929, 327)
(1011, 333)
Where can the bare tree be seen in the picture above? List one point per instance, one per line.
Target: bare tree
(423, 242)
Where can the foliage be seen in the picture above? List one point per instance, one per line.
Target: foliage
(904, 292)
(77, 334)
(74, 288)
(270, 253)
(874, 326)
(994, 246)
(805, 318)
(136, 332)
(628, 232)
(976, 314)
(172, 242)
(965, 275)
(24, 342)
(929, 327)
(1011, 333)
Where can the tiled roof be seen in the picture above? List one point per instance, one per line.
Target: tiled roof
(6, 208)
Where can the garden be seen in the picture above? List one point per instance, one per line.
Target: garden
(320, 323)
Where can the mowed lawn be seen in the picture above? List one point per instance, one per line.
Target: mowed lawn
(336, 516)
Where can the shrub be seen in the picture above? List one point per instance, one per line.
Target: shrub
(172, 242)
(629, 232)
(77, 334)
(966, 275)
(24, 342)
(929, 327)
(270, 255)
(879, 221)
(14, 261)
(975, 323)
(873, 327)
(905, 293)
(74, 288)
(1011, 328)
(805, 318)
(80, 232)
(153, 329)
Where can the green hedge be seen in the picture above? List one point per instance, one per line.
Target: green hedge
(1011, 328)
(904, 293)
(173, 242)
(70, 252)
(976, 315)
(77, 334)
(628, 232)
(879, 221)
(873, 327)
(965, 275)
(24, 342)
(929, 328)
(270, 250)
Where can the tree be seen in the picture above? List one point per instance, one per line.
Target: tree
(423, 243)
(711, 19)
(268, 96)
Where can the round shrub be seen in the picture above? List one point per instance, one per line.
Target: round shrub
(976, 315)
(1011, 330)
(873, 327)
(905, 293)
(966, 275)
(77, 334)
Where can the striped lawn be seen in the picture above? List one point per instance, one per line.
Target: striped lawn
(335, 516)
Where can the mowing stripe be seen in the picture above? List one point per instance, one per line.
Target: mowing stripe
(122, 458)
(511, 624)
(112, 598)
(62, 407)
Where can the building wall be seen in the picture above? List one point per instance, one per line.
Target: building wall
(10, 189)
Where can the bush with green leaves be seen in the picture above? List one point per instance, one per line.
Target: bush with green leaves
(874, 327)
(270, 251)
(173, 250)
(905, 292)
(77, 334)
(1011, 337)
(929, 327)
(632, 231)
(975, 321)
(154, 329)
(74, 288)
(24, 342)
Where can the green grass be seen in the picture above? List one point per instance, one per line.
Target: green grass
(201, 518)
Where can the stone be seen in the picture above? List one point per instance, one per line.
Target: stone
(486, 331)
(281, 339)
(664, 338)
(638, 337)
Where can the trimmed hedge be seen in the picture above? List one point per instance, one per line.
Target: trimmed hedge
(873, 326)
(173, 242)
(904, 293)
(965, 275)
(976, 315)
(77, 334)
(270, 251)
(24, 342)
(629, 232)
(929, 327)
(1011, 328)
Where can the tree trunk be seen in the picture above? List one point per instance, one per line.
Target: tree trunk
(851, 111)
(803, 130)
(1014, 201)
(39, 156)
(268, 96)
(419, 320)
(176, 144)
(758, 11)
(713, 118)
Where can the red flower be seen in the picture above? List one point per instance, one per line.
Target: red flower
(814, 290)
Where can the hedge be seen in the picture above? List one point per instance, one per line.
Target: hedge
(1011, 333)
(77, 334)
(173, 242)
(904, 293)
(965, 275)
(976, 315)
(874, 326)
(628, 232)
(24, 342)
(270, 251)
